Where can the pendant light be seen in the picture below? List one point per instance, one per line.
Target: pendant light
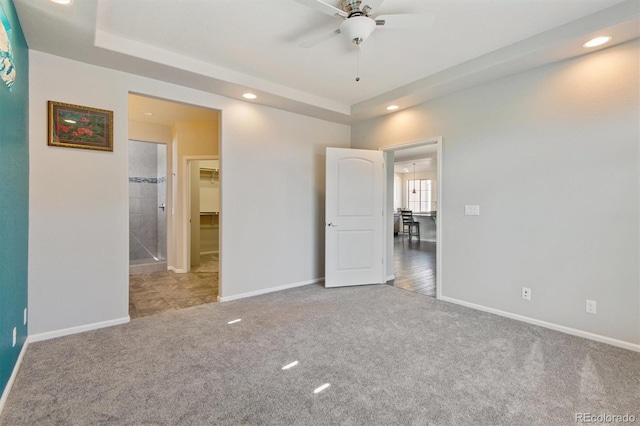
(414, 179)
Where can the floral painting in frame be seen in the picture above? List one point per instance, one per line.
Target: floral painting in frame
(76, 126)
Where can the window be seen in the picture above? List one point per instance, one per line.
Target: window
(421, 200)
(397, 192)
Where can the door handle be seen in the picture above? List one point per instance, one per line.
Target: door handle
(332, 225)
(162, 207)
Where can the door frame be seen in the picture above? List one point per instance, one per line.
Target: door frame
(437, 140)
(186, 206)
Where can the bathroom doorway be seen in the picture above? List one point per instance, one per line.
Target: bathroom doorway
(147, 207)
(161, 278)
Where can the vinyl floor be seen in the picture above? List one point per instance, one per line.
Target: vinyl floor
(158, 292)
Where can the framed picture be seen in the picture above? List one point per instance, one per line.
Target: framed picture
(75, 126)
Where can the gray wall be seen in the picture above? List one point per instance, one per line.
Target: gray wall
(79, 268)
(552, 158)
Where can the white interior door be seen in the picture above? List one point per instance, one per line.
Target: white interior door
(354, 237)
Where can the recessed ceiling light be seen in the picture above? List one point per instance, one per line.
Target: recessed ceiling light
(392, 107)
(67, 2)
(147, 113)
(249, 96)
(598, 41)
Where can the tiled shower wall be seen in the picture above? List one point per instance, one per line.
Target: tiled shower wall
(147, 191)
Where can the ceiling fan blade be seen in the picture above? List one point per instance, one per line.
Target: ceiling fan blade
(325, 8)
(368, 6)
(314, 41)
(401, 22)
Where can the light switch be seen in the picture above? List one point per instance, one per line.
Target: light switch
(471, 210)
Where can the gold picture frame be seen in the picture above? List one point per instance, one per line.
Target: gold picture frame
(75, 126)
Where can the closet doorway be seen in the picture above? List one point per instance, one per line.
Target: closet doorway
(203, 232)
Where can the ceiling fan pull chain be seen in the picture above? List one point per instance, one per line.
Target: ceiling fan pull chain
(358, 64)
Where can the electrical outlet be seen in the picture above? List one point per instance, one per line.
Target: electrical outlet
(15, 335)
(591, 306)
(526, 293)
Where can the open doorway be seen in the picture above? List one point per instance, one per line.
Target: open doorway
(147, 207)
(413, 195)
(183, 131)
(203, 235)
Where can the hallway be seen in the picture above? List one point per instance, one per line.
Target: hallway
(414, 265)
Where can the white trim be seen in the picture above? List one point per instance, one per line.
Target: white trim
(79, 329)
(176, 270)
(568, 330)
(268, 290)
(398, 147)
(391, 277)
(208, 252)
(14, 373)
(439, 239)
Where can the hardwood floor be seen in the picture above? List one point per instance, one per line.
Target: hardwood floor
(414, 265)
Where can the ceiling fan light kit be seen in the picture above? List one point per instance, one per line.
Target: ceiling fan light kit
(357, 24)
(358, 28)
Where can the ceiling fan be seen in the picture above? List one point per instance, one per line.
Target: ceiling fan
(357, 22)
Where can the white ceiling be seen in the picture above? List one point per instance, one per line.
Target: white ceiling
(424, 164)
(423, 156)
(231, 46)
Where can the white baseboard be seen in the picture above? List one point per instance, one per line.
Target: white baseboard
(391, 277)
(79, 329)
(574, 332)
(176, 270)
(268, 290)
(14, 373)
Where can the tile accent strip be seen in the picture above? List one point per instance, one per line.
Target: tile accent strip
(147, 179)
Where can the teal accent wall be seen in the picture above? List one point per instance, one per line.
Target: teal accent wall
(14, 196)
